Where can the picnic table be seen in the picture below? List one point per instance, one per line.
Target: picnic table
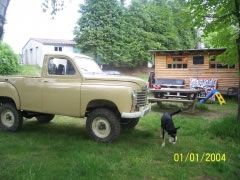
(182, 95)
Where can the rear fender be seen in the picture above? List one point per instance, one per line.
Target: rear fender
(9, 91)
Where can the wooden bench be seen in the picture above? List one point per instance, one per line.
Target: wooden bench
(191, 103)
(176, 96)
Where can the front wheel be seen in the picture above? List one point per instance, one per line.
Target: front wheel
(10, 118)
(103, 125)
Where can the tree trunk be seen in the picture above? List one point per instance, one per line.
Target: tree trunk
(237, 13)
(3, 10)
(238, 49)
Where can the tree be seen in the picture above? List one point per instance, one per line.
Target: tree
(3, 9)
(52, 6)
(98, 29)
(220, 20)
(149, 26)
(123, 36)
(183, 24)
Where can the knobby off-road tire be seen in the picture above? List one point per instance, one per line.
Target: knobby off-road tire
(129, 123)
(103, 125)
(45, 118)
(10, 118)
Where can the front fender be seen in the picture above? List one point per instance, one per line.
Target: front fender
(8, 90)
(121, 96)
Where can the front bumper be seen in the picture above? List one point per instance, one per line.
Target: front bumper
(143, 110)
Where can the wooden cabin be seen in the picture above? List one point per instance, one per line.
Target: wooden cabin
(195, 63)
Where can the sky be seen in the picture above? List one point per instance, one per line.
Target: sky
(25, 19)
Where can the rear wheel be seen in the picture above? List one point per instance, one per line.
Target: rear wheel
(45, 118)
(129, 123)
(103, 125)
(10, 118)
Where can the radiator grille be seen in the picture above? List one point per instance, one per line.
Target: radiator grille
(141, 98)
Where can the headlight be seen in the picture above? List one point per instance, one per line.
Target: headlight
(134, 99)
(134, 95)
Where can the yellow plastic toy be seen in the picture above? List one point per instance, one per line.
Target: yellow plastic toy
(215, 93)
(220, 98)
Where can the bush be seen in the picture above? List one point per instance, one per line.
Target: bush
(8, 60)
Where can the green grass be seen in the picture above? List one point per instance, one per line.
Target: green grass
(62, 150)
(29, 70)
(227, 128)
(142, 76)
(202, 107)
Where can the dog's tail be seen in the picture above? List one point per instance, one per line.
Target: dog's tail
(176, 112)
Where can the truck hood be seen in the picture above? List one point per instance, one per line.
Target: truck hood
(116, 78)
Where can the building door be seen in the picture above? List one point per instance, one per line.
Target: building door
(36, 56)
(31, 56)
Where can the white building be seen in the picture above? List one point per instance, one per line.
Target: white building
(34, 50)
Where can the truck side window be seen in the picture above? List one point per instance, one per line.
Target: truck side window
(59, 66)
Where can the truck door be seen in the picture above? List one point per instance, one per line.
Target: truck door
(61, 88)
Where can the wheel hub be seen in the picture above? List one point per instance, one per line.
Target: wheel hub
(101, 127)
(7, 118)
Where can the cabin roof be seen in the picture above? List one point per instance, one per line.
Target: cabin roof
(212, 51)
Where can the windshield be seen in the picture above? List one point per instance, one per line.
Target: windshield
(87, 66)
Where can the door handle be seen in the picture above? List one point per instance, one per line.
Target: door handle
(45, 81)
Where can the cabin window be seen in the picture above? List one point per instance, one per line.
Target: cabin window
(59, 66)
(213, 64)
(177, 63)
(222, 66)
(232, 66)
(198, 59)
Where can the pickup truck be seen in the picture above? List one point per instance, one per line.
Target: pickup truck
(74, 85)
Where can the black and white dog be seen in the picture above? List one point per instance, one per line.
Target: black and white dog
(168, 128)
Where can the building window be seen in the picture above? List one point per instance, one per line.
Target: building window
(177, 62)
(213, 64)
(198, 59)
(57, 48)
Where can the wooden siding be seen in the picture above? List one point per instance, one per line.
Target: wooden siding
(226, 77)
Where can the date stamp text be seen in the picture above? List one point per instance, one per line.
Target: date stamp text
(207, 157)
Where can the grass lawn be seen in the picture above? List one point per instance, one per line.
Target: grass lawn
(30, 70)
(62, 150)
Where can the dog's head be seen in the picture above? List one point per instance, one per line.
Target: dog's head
(173, 135)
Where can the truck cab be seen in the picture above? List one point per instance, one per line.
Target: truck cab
(74, 85)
